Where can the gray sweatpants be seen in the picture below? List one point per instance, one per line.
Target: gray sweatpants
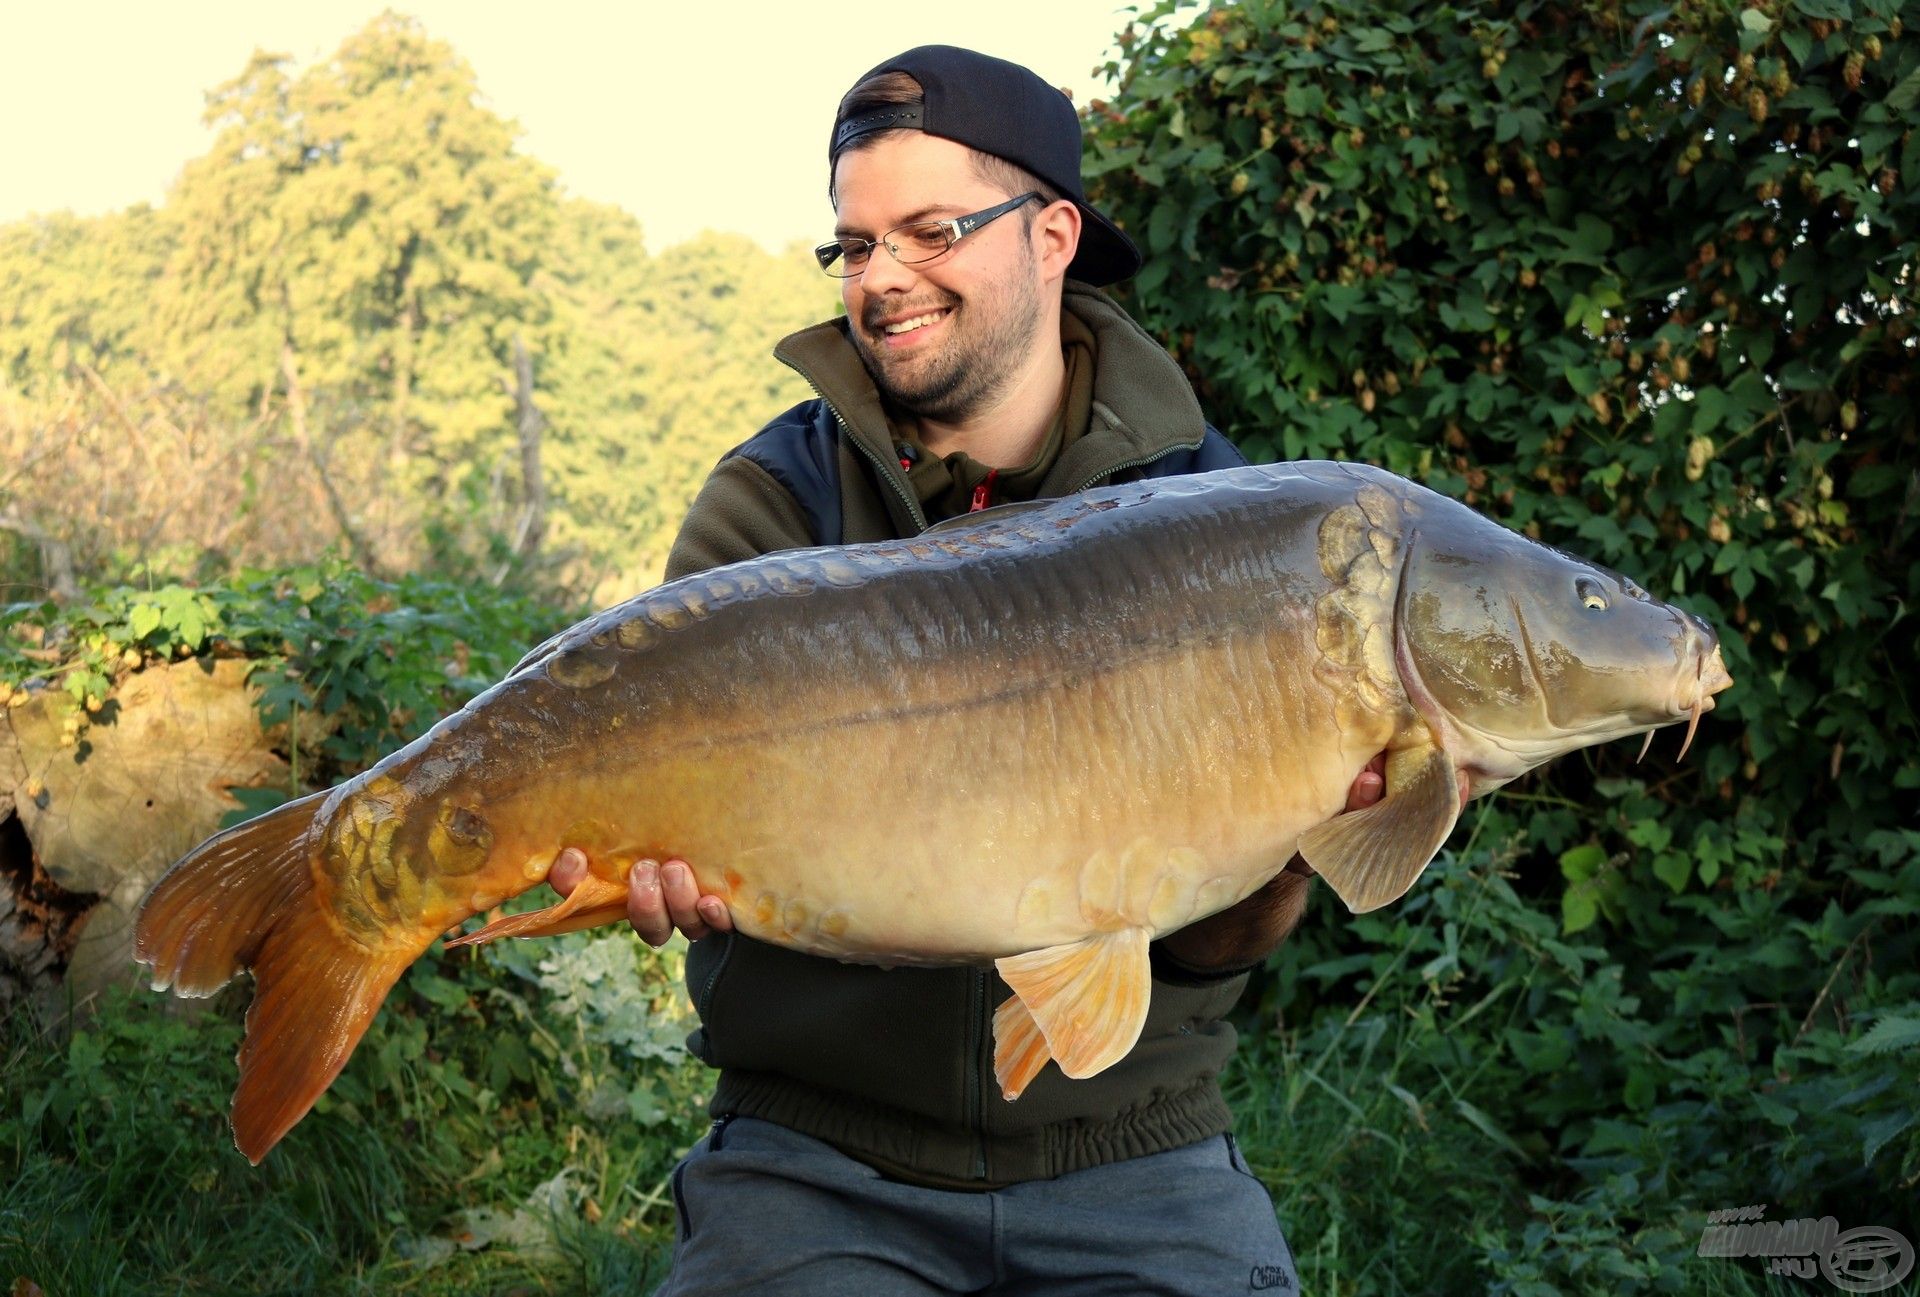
(764, 1210)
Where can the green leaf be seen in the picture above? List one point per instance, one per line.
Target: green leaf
(1485, 1125)
(1673, 869)
(1755, 21)
(144, 620)
(1904, 97)
(1879, 1132)
(1581, 863)
(1641, 1088)
(1590, 237)
(1888, 1035)
(1578, 910)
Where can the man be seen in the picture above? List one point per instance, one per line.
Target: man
(860, 1144)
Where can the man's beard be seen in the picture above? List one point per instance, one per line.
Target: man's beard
(990, 337)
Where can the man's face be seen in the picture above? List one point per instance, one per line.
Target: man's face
(945, 338)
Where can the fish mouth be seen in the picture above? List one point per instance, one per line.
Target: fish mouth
(1709, 678)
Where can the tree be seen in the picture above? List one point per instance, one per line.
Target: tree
(360, 240)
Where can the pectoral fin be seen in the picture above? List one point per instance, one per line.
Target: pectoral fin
(1371, 857)
(592, 902)
(1089, 1000)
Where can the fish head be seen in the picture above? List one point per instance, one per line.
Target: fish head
(1518, 652)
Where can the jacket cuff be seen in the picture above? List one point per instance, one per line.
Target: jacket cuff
(1171, 971)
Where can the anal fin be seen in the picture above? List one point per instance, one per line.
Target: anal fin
(1089, 1000)
(593, 901)
(1371, 857)
(1019, 1048)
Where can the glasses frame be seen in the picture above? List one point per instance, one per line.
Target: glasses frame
(827, 254)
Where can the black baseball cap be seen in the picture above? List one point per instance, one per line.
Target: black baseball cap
(1000, 108)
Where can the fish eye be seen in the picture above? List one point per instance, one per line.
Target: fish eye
(1590, 596)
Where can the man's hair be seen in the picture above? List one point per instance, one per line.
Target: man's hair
(893, 89)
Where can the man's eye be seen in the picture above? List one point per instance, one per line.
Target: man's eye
(925, 238)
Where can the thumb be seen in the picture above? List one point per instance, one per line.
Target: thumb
(569, 867)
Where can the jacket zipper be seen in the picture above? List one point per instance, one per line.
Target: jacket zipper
(713, 978)
(976, 1098)
(1124, 465)
(901, 493)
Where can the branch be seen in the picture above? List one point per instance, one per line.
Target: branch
(297, 410)
(56, 556)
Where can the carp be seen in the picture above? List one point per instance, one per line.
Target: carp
(1141, 701)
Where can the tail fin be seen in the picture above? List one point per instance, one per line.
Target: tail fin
(246, 900)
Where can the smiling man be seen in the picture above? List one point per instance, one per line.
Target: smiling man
(860, 1143)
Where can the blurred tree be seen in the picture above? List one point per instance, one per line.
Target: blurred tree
(360, 239)
(323, 315)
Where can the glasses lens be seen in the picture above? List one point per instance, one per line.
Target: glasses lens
(913, 244)
(842, 260)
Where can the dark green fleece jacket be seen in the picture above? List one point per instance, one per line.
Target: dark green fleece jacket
(895, 1067)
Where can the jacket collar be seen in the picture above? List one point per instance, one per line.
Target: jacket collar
(1143, 407)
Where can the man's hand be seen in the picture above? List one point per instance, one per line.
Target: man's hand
(1246, 933)
(660, 897)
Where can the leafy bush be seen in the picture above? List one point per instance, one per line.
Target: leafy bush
(531, 1094)
(370, 663)
(1638, 279)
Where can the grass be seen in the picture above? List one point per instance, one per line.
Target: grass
(488, 1139)
(121, 1177)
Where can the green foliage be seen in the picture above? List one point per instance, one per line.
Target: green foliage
(1638, 279)
(368, 663)
(511, 1116)
(476, 1111)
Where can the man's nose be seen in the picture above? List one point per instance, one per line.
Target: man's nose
(885, 274)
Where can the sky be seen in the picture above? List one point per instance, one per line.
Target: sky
(690, 115)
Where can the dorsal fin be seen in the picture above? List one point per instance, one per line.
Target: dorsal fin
(997, 513)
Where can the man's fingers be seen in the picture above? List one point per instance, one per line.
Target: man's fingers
(569, 867)
(683, 899)
(715, 912)
(646, 907)
(663, 897)
(1367, 787)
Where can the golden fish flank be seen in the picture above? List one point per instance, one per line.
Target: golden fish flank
(1148, 884)
(1152, 692)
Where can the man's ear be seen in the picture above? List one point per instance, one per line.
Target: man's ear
(1056, 237)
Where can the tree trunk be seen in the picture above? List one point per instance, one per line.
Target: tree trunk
(297, 413)
(531, 423)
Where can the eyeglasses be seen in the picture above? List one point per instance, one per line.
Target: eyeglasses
(910, 245)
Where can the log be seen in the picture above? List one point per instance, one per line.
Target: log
(86, 827)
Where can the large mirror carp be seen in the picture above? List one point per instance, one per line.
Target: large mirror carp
(1139, 702)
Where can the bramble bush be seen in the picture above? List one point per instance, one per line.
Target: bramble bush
(1637, 279)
